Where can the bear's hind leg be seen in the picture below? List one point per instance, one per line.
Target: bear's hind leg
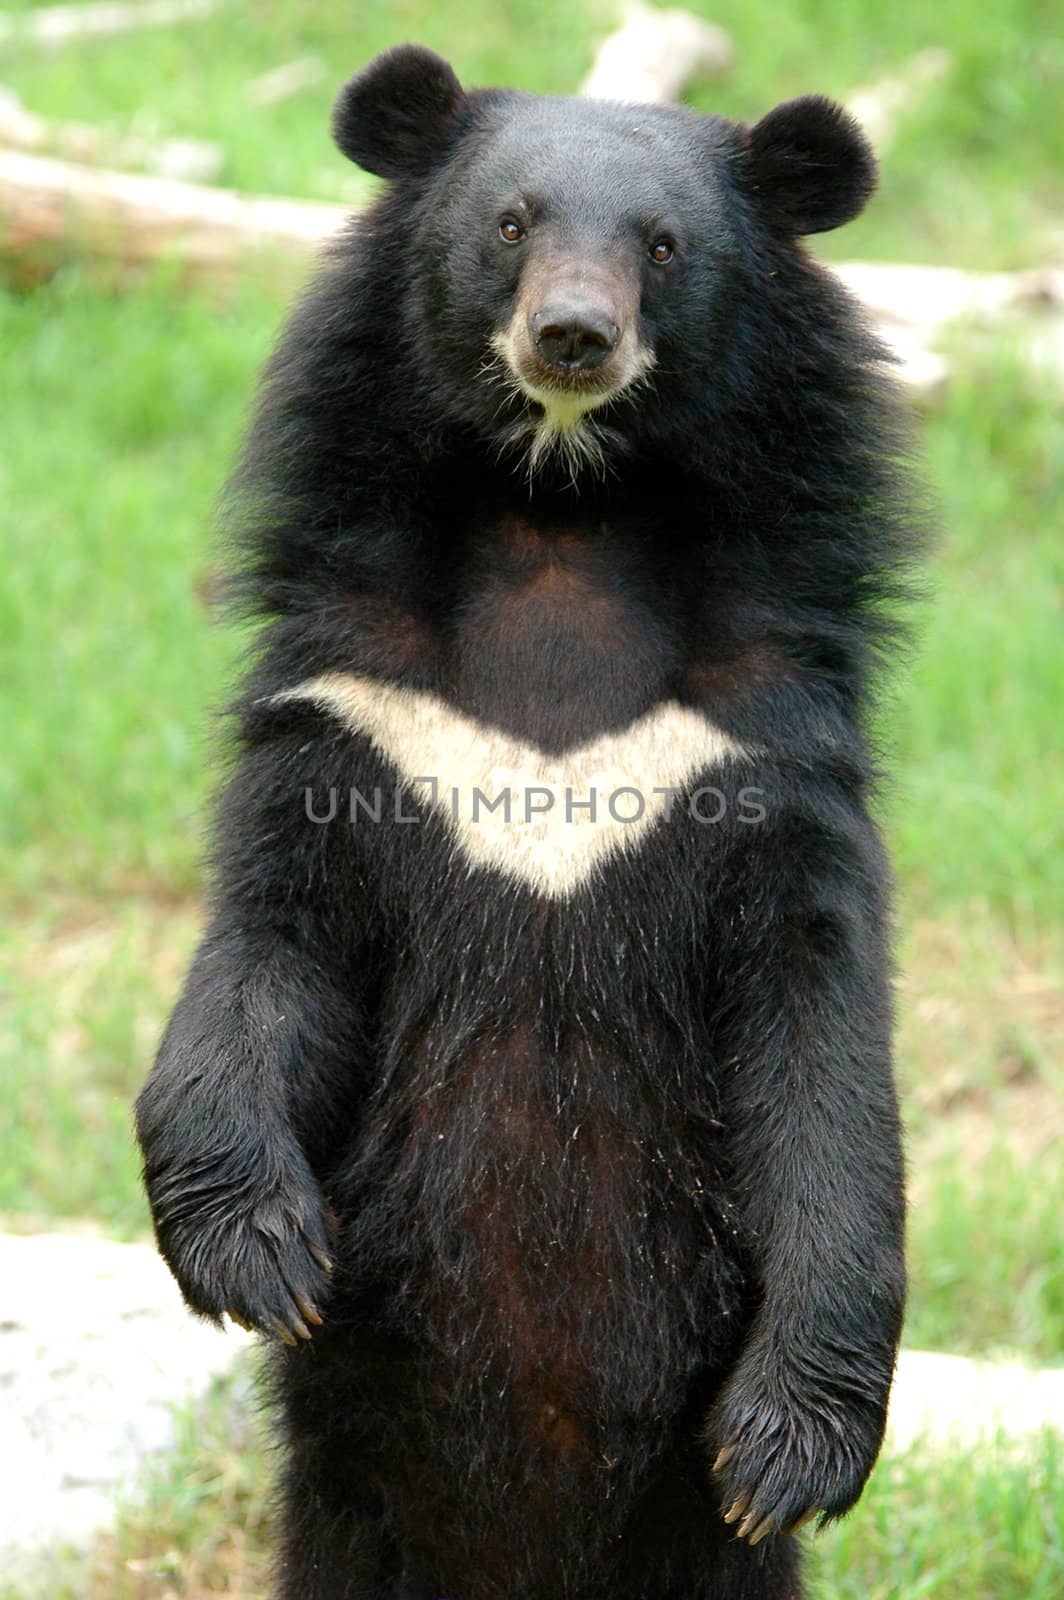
(334, 1547)
(335, 1540)
(735, 1572)
(679, 1548)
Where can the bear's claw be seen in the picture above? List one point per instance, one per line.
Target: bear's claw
(738, 1506)
(754, 1528)
(264, 1264)
(791, 1461)
(309, 1312)
(756, 1524)
(291, 1320)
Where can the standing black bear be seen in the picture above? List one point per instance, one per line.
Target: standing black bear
(538, 1052)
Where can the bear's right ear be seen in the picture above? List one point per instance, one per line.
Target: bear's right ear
(392, 116)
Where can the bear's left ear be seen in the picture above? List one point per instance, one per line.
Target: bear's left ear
(392, 117)
(811, 166)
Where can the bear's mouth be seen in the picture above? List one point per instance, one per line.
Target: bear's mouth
(565, 399)
(538, 379)
(566, 395)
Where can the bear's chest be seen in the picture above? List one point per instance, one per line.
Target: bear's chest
(546, 819)
(539, 700)
(559, 636)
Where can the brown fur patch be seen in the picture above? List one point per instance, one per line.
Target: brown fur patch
(737, 675)
(388, 638)
(551, 578)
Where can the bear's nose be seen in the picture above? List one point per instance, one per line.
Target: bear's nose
(573, 338)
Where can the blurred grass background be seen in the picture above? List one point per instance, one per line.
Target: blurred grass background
(123, 404)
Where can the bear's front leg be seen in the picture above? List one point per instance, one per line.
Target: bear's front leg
(815, 1139)
(238, 1212)
(260, 1072)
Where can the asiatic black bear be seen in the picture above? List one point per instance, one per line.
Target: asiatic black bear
(537, 1057)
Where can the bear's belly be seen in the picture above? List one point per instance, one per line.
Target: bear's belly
(568, 1244)
(568, 1272)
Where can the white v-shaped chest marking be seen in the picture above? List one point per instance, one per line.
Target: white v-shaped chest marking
(463, 769)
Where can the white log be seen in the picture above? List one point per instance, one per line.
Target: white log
(104, 205)
(953, 1404)
(57, 25)
(96, 1349)
(192, 159)
(879, 106)
(924, 372)
(126, 217)
(652, 56)
(281, 83)
(931, 297)
(45, 198)
(655, 54)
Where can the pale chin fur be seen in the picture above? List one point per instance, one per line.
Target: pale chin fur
(565, 429)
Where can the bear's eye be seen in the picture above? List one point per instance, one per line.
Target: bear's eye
(661, 251)
(510, 230)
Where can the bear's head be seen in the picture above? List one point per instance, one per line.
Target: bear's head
(572, 264)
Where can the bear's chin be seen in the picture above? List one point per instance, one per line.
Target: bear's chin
(569, 436)
(558, 425)
(558, 431)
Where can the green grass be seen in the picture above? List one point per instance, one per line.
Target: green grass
(84, 996)
(129, 410)
(977, 811)
(985, 1527)
(986, 1257)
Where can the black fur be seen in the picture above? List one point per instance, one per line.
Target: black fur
(392, 118)
(613, 1180)
(813, 167)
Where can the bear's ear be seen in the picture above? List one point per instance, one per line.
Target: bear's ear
(812, 167)
(392, 116)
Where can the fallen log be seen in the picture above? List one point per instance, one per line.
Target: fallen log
(931, 297)
(879, 106)
(951, 1405)
(193, 159)
(654, 55)
(53, 207)
(58, 25)
(57, 206)
(137, 218)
